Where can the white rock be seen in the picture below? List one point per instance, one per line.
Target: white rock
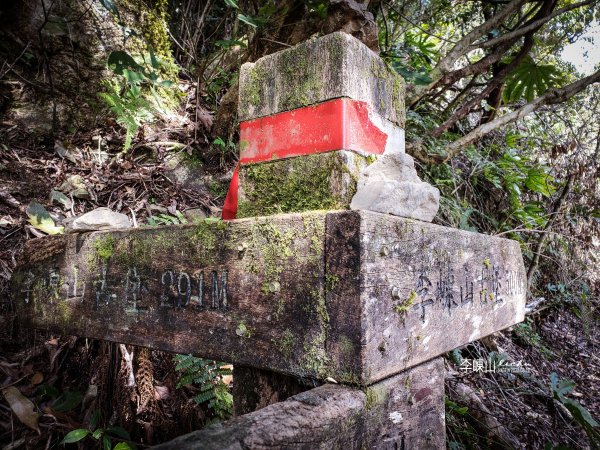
(391, 185)
(98, 219)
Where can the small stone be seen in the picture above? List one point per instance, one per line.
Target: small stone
(184, 171)
(391, 185)
(195, 214)
(98, 219)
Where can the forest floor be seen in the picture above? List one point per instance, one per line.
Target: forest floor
(563, 337)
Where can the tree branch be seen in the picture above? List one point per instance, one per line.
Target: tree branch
(493, 84)
(462, 47)
(527, 28)
(538, 248)
(551, 97)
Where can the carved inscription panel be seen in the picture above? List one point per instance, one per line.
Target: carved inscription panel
(135, 290)
(428, 289)
(226, 291)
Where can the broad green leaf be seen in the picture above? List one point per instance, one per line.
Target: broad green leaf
(529, 80)
(122, 60)
(39, 218)
(67, 401)
(565, 386)
(75, 436)
(98, 433)
(57, 196)
(133, 76)
(153, 60)
(232, 3)
(581, 413)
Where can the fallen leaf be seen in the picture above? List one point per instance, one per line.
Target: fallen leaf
(56, 196)
(37, 378)
(22, 407)
(63, 152)
(40, 219)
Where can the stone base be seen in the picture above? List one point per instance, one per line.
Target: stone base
(402, 412)
(323, 181)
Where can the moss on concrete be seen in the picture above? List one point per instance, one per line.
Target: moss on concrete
(307, 84)
(405, 306)
(292, 185)
(374, 396)
(253, 89)
(346, 346)
(286, 344)
(104, 247)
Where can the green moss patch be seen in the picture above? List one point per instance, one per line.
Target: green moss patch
(292, 185)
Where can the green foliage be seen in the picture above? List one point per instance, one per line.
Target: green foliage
(515, 173)
(560, 389)
(252, 21)
(414, 56)
(75, 436)
(137, 94)
(67, 401)
(208, 376)
(525, 333)
(167, 219)
(530, 79)
(104, 436)
(454, 408)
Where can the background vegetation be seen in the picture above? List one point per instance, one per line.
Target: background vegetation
(131, 104)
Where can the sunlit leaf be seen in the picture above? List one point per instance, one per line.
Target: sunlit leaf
(57, 196)
(40, 219)
(122, 60)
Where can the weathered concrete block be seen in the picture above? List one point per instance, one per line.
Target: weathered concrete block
(226, 290)
(402, 412)
(423, 289)
(327, 95)
(391, 185)
(333, 66)
(354, 295)
(325, 181)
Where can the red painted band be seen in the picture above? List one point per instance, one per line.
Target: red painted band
(229, 211)
(339, 124)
